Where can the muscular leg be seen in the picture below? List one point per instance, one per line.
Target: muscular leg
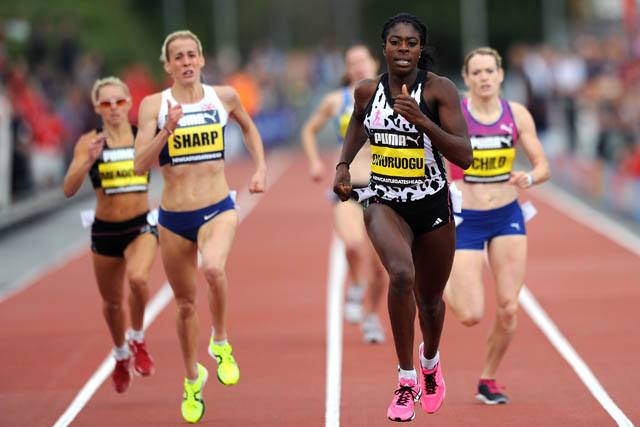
(507, 258)
(465, 290)
(377, 280)
(139, 257)
(179, 260)
(214, 243)
(392, 238)
(110, 277)
(433, 257)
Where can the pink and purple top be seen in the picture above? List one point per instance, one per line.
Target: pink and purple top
(493, 147)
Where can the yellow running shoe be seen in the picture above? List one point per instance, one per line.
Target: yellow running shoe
(228, 370)
(192, 403)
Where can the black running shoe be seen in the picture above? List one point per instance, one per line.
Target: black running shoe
(489, 393)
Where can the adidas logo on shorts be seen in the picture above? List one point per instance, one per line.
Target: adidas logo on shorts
(437, 221)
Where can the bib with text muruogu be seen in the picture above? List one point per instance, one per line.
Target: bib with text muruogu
(397, 157)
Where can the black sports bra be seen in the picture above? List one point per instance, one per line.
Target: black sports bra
(113, 171)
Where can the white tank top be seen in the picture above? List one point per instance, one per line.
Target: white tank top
(199, 136)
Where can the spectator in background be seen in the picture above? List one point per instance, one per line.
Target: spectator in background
(538, 70)
(37, 48)
(21, 176)
(68, 49)
(569, 75)
(75, 113)
(46, 129)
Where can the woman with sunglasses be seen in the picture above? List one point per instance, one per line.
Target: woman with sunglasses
(411, 118)
(183, 126)
(123, 240)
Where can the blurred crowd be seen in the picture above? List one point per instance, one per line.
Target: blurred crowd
(48, 90)
(584, 99)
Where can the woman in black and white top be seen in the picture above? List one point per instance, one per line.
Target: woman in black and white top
(412, 118)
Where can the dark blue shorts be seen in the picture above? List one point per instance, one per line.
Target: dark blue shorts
(187, 223)
(479, 227)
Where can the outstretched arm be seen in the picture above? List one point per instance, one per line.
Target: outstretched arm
(451, 136)
(354, 139)
(252, 139)
(528, 139)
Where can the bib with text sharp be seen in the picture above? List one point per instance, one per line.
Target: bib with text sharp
(199, 137)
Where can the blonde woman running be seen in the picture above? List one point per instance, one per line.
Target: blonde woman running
(123, 241)
(183, 126)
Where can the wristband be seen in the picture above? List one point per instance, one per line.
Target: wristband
(168, 131)
(342, 163)
(529, 180)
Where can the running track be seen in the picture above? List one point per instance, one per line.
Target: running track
(53, 336)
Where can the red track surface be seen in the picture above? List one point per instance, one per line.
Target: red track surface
(53, 336)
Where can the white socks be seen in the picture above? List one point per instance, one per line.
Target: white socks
(137, 336)
(121, 353)
(407, 374)
(430, 363)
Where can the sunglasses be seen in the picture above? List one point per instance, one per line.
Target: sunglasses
(113, 103)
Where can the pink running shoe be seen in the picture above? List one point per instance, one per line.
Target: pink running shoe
(122, 375)
(401, 408)
(142, 361)
(432, 384)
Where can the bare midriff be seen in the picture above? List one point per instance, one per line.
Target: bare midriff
(486, 196)
(193, 186)
(120, 207)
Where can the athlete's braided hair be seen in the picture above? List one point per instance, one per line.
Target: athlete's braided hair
(426, 58)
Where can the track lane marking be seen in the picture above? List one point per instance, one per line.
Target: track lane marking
(570, 355)
(335, 290)
(583, 214)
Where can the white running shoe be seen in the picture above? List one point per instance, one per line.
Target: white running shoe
(353, 304)
(372, 331)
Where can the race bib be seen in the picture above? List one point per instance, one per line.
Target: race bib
(198, 137)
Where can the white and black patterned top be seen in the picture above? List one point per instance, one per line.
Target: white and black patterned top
(405, 166)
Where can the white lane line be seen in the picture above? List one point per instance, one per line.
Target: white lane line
(602, 224)
(335, 285)
(553, 334)
(278, 164)
(156, 305)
